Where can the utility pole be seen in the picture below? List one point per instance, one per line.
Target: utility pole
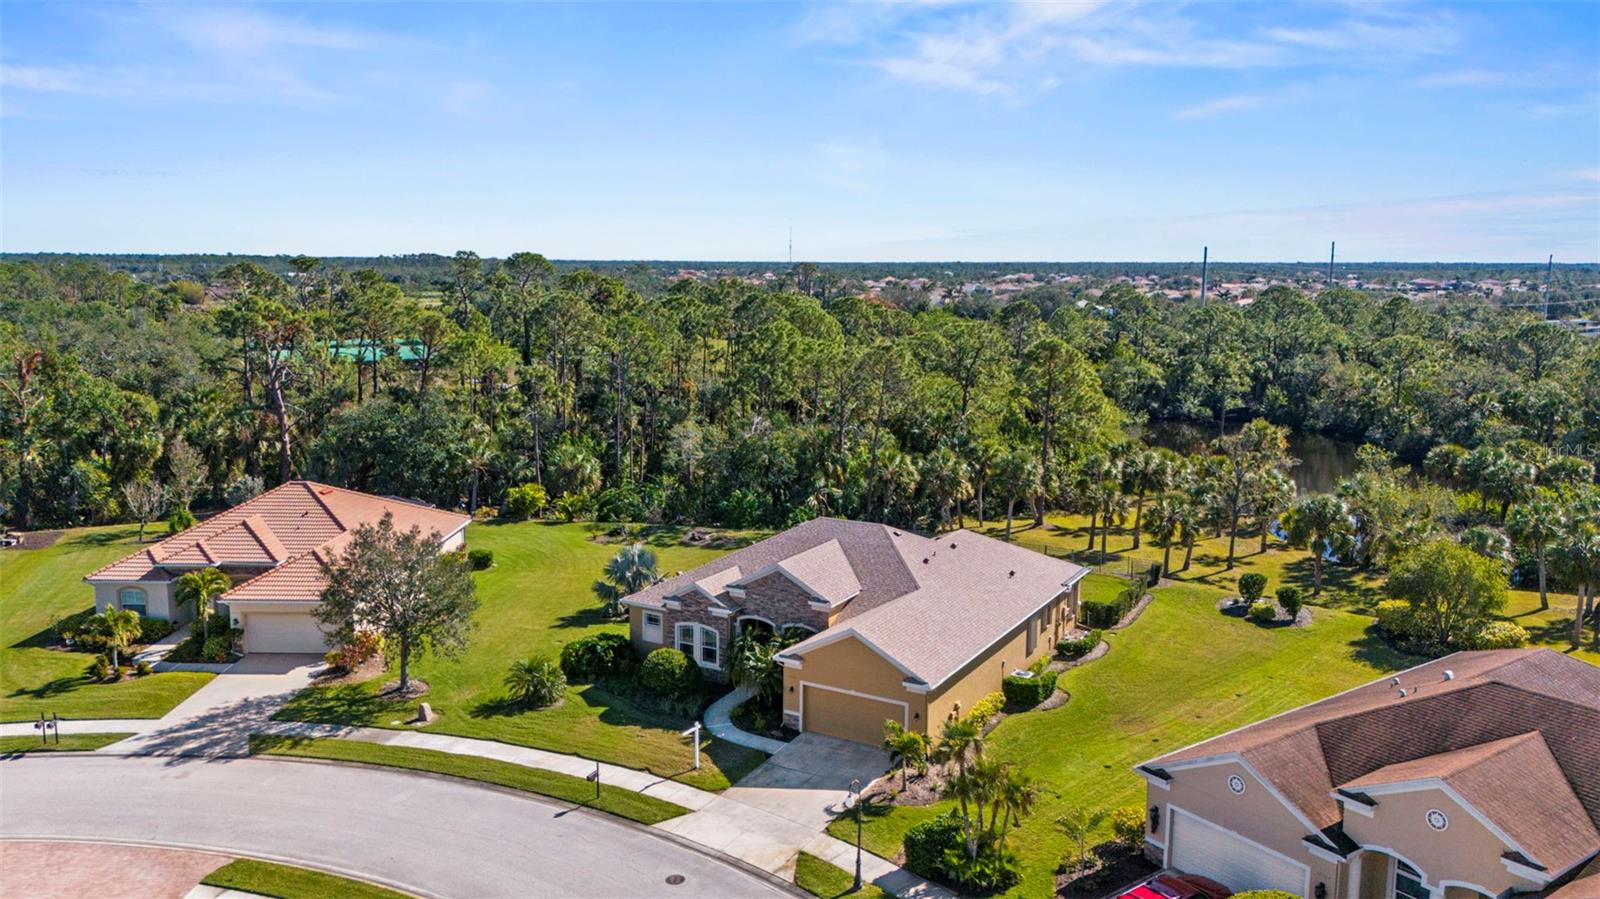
(791, 246)
(1331, 245)
(1205, 258)
(1544, 291)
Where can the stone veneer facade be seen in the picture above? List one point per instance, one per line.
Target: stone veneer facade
(773, 598)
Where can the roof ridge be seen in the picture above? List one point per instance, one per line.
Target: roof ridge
(316, 496)
(313, 551)
(155, 560)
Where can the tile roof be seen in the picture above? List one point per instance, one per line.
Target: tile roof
(931, 604)
(281, 531)
(1445, 721)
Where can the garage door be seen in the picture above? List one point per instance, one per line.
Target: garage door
(283, 633)
(1196, 846)
(846, 715)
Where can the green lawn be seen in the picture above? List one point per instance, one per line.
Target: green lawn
(69, 743)
(286, 882)
(1342, 588)
(819, 878)
(38, 586)
(536, 598)
(1181, 673)
(615, 800)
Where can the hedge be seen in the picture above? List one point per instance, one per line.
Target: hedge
(1027, 692)
(986, 708)
(597, 656)
(1104, 613)
(480, 559)
(1082, 646)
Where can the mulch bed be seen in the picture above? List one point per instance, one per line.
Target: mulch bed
(1236, 607)
(1112, 868)
(329, 677)
(390, 692)
(35, 539)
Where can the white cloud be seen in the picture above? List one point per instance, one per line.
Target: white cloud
(231, 30)
(1222, 105)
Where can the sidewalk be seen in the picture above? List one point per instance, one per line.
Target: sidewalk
(158, 650)
(719, 721)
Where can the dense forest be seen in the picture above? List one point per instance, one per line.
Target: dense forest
(716, 402)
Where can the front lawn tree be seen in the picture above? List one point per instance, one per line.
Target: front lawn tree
(401, 585)
(629, 571)
(199, 589)
(145, 499)
(1319, 522)
(1453, 591)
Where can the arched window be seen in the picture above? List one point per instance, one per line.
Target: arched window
(698, 642)
(132, 599)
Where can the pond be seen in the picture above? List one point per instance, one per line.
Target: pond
(1324, 462)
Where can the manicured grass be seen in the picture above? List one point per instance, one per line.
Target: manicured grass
(1182, 672)
(37, 586)
(69, 743)
(537, 597)
(1342, 588)
(615, 800)
(287, 882)
(820, 878)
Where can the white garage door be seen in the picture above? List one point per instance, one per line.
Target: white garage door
(1196, 846)
(288, 632)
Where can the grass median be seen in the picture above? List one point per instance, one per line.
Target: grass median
(289, 882)
(69, 743)
(613, 800)
(819, 878)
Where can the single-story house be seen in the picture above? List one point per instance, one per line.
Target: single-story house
(898, 626)
(272, 547)
(1477, 774)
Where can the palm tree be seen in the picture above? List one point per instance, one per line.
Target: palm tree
(1166, 518)
(1274, 494)
(198, 589)
(1018, 795)
(1579, 553)
(480, 448)
(946, 480)
(1016, 475)
(629, 571)
(907, 747)
(1320, 522)
(119, 627)
(1149, 470)
(1537, 525)
(1488, 542)
(1079, 824)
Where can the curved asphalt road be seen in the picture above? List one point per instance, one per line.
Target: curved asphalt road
(423, 834)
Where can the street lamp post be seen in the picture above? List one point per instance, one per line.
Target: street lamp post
(855, 788)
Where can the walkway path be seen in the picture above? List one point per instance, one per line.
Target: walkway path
(719, 721)
(155, 652)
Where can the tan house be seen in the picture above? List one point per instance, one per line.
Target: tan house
(1473, 775)
(272, 547)
(901, 627)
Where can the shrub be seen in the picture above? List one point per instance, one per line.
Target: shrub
(331, 659)
(524, 501)
(1073, 649)
(1252, 585)
(100, 668)
(153, 629)
(480, 559)
(986, 708)
(572, 506)
(927, 843)
(1500, 635)
(1289, 599)
(181, 519)
(597, 656)
(668, 672)
(1396, 619)
(1153, 576)
(1127, 823)
(536, 681)
(143, 668)
(1027, 692)
(359, 649)
(217, 648)
(68, 628)
(1263, 612)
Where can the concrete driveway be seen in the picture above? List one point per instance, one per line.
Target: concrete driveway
(426, 835)
(784, 803)
(218, 718)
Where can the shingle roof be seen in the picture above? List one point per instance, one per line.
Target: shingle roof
(931, 604)
(278, 531)
(1451, 711)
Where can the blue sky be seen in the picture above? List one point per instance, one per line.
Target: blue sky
(877, 131)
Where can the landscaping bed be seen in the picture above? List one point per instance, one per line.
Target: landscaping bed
(614, 800)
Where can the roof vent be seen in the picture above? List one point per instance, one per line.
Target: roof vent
(1449, 675)
(1402, 692)
(924, 560)
(952, 546)
(896, 533)
(1395, 681)
(1011, 573)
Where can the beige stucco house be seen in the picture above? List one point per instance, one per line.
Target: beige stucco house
(272, 548)
(900, 627)
(1473, 775)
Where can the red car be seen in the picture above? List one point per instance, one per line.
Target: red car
(1178, 886)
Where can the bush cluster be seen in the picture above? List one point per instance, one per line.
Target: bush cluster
(536, 681)
(1396, 619)
(1106, 613)
(524, 501)
(1027, 692)
(598, 656)
(1500, 635)
(480, 559)
(927, 844)
(669, 673)
(153, 629)
(357, 651)
(1252, 585)
(935, 849)
(1127, 825)
(1263, 611)
(1073, 649)
(1290, 600)
(986, 708)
